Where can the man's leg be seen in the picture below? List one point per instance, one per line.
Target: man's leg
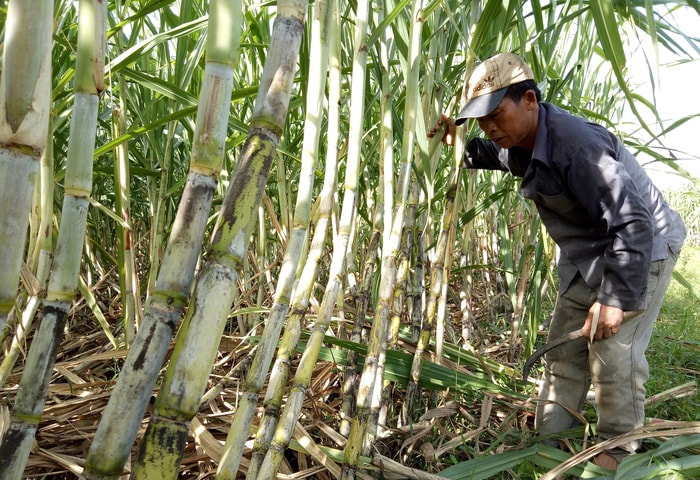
(619, 368)
(566, 378)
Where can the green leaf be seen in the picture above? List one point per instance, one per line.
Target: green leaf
(608, 34)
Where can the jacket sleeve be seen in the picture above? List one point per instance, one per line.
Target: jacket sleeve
(484, 154)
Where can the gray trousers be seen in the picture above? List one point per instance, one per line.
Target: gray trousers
(616, 366)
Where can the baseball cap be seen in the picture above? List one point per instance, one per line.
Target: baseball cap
(488, 84)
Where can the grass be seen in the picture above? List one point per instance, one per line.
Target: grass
(674, 350)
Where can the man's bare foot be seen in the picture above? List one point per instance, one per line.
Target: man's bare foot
(606, 460)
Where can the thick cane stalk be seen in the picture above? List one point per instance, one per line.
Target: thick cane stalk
(41, 262)
(63, 280)
(122, 417)
(320, 40)
(197, 343)
(163, 444)
(286, 41)
(25, 97)
(196, 347)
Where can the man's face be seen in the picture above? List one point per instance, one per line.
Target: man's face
(512, 124)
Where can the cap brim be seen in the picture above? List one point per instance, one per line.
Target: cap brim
(480, 106)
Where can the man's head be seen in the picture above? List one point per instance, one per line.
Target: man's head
(504, 98)
(490, 82)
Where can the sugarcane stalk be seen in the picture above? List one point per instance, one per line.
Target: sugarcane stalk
(302, 377)
(124, 412)
(285, 44)
(159, 194)
(300, 302)
(404, 293)
(63, 279)
(197, 342)
(432, 99)
(387, 49)
(381, 228)
(128, 279)
(122, 417)
(361, 438)
(25, 99)
(467, 277)
(438, 277)
(347, 410)
(318, 56)
(41, 262)
(435, 307)
(523, 276)
(371, 376)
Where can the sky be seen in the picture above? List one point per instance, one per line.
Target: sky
(677, 96)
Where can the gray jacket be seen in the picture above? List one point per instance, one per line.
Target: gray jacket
(597, 202)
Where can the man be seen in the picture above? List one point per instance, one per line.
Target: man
(618, 242)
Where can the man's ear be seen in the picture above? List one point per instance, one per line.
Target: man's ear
(530, 98)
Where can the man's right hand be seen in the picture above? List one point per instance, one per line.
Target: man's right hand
(446, 123)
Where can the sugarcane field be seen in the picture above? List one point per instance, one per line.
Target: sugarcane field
(349, 240)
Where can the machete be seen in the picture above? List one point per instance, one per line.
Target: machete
(569, 337)
(532, 359)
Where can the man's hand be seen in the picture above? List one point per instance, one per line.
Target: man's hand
(448, 137)
(609, 321)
